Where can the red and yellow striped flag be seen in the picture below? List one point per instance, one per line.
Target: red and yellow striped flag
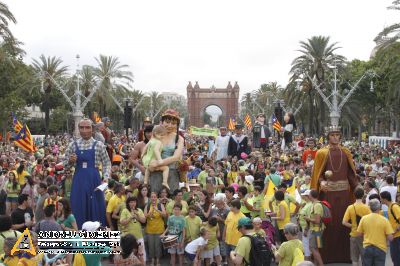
(247, 121)
(96, 117)
(232, 124)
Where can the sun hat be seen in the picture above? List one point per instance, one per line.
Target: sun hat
(91, 226)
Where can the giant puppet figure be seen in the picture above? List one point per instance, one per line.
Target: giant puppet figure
(261, 133)
(146, 122)
(87, 155)
(108, 135)
(238, 143)
(334, 176)
(290, 126)
(173, 144)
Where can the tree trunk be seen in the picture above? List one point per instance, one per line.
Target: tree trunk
(322, 114)
(46, 114)
(310, 114)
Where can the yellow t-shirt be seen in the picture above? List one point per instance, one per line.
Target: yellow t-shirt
(231, 177)
(375, 228)
(11, 261)
(243, 249)
(170, 207)
(21, 178)
(114, 202)
(134, 227)
(192, 228)
(213, 240)
(281, 223)
(260, 232)
(231, 223)
(396, 211)
(108, 194)
(316, 209)
(155, 222)
(286, 251)
(350, 215)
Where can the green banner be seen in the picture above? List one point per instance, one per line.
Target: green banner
(201, 131)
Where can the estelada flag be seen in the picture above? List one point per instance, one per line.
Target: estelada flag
(247, 121)
(275, 123)
(23, 138)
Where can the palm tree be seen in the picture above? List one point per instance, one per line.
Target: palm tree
(139, 113)
(267, 93)
(5, 17)
(50, 69)
(389, 34)
(88, 83)
(317, 54)
(247, 103)
(157, 102)
(113, 78)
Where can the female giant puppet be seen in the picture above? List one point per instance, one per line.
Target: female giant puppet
(171, 153)
(336, 187)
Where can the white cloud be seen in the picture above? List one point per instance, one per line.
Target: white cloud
(168, 43)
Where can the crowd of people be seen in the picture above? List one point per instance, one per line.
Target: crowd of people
(230, 200)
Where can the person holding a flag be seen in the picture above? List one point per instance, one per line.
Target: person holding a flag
(261, 133)
(86, 155)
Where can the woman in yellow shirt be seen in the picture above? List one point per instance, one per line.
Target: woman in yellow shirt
(155, 214)
(130, 220)
(282, 214)
(232, 175)
(12, 188)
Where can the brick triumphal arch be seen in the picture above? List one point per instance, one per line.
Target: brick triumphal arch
(198, 99)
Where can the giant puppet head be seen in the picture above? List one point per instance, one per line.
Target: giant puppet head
(170, 120)
(260, 119)
(334, 134)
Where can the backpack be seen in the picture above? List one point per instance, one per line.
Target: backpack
(327, 215)
(298, 256)
(260, 253)
(391, 211)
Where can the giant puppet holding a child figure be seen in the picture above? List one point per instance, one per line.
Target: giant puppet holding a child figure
(171, 153)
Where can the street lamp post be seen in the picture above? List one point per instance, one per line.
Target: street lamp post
(335, 108)
(78, 106)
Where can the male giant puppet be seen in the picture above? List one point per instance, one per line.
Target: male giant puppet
(261, 133)
(337, 189)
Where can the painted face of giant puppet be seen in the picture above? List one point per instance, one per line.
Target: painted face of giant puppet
(171, 124)
(261, 119)
(286, 118)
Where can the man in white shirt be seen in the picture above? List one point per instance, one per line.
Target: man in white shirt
(392, 189)
(221, 144)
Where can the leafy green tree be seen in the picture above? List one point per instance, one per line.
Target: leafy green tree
(113, 79)
(50, 70)
(317, 55)
(391, 33)
(387, 64)
(5, 18)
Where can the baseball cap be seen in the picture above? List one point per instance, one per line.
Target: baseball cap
(244, 221)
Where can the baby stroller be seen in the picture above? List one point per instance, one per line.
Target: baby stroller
(270, 232)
